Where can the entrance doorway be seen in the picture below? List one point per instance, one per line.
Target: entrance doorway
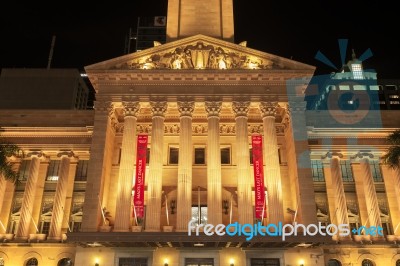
(264, 262)
(199, 262)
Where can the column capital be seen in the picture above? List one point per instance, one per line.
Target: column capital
(362, 156)
(297, 106)
(240, 108)
(268, 108)
(38, 154)
(186, 108)
(158, 108)
(213, 108)
(332, 154)
(104, 106)
(130, 108)
(67, 153)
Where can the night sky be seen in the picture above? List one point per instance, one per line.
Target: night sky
(90, 33)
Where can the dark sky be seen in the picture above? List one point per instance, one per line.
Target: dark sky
(88, 33)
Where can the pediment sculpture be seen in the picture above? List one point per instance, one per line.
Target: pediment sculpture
(200, 56)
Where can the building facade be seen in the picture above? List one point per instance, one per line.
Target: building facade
(199, 98)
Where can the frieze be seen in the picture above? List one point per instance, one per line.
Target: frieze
(202, 129)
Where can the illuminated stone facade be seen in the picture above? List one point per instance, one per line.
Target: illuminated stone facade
(199, 113)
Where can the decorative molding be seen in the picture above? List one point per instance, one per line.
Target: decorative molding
(297, 106)
(38, 154)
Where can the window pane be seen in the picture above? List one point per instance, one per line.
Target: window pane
(317, 171)
(81, 170)
(148, 156)
(173, 155)
(52, 171)
(376, 171)
(347, 174)
(199, 156)
(251, 155)
(24, 170)
(225, 155)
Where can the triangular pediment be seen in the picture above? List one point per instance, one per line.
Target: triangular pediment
(199, 52)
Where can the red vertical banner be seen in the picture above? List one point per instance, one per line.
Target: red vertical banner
(138, 196)
(257, 151)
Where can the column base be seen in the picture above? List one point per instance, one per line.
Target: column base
(21, 238)
(121, 230)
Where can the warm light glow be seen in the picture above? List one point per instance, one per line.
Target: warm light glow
(232, 262)
(97, 260)
(166, 262)
(301, 262)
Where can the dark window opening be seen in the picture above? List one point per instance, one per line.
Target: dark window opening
(199, 156)
(226, 155)
(173, 155)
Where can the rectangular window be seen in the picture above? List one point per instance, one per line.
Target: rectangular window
(45, 228)
(225, 155)
(132, 262)
(52, 171)
(173, 155)
(199, 214)
(81, 170)
(317, 171)
(376, 171)
(251, 155)
(199, 155)
(264, 262)
(24, 170)
(347, 173)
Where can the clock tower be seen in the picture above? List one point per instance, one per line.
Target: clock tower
(213, 18)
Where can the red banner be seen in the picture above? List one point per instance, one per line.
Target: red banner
(138, 197)
(260, 208)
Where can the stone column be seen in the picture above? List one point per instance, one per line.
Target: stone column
(126, 168)
(184, 199)
(245, 180)
(102, 138)
(214, 185)
(366, 194)
(335, 191)
(391, 178)
(154, 181)
(28, 198)
(271, 160)
(4, 183)
(60, 196)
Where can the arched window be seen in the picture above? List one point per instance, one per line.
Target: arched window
(334, 262)
(367, 262)
(32, 262)
(397, 263)
(65, 262)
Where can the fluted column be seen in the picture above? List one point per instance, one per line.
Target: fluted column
(214, 193)
(391, 179)
(126, 168)
(335, 191)
(3, 184)
(100, 163)
(366, 193)
(154, 181)
(60, 196)
(271, 159)
(184, 200)
(245, 181)
(28, 198)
